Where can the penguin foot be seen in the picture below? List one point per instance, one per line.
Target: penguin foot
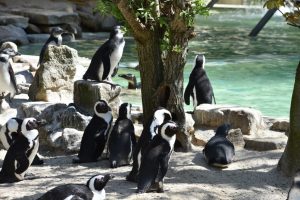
(37, 161)
(131, 178)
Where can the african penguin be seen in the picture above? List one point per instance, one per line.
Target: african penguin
(15, 126)
(150, 130)
(7, 75)
(92, 190)
(294, 192)
(219, 151)
(155, 160)
(132, 82)
(54, 39)
(104, 62)
(19, 155)
(122, 138)
(95, 134)
(199, 86)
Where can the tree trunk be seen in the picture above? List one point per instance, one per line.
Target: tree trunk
(289, 162)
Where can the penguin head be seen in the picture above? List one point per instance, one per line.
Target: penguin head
(28, 128)
(57, 31)
(101, 107)
(98, 182)
(223, 130)
(200, 61)
(8, 53)
(160, 116)
(125, 111)
(168, 129)
(130, 77)
(7, 45)
(116, 32)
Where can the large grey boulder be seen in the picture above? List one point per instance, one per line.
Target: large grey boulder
(249, 120)
(87, 93)
(47, 17)
(53, 81)
(16, 20)
(14, 34)
(71, 118)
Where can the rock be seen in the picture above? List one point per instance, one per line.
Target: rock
(47, 17)
(267, 140)
(32, 29)
(201, 136)
(281, 125)
(189, 123)
(236, 137)
(249, 120)
(38, 38)
(138, 128)
(137, 116)
(16, 20)
(107, 22)
(71, 118)
(6, 115)
(13, 34)
(24, 77)
(87, 93)
(33, 109)
(53, 81)
(68, 140)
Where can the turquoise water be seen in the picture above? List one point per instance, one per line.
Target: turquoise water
(256, 72)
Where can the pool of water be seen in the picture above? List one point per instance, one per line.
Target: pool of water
(256, 72)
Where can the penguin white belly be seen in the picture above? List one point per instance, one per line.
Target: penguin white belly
(99, 195)
(195, 102)
(5, 82)
(115, 57)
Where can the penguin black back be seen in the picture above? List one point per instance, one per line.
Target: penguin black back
(199, 86)
(219, 151)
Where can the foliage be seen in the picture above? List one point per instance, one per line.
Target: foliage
(292, 17)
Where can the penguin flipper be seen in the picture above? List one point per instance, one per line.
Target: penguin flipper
(187, 93)
(23, 163)
(106, 66)
(163, 164)
(12, 77)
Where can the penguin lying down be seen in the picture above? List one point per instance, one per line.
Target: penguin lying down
(93, 189)
(219, 151)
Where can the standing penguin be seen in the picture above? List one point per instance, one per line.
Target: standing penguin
(20, 155)
(92, 190)
(7, 75)
(122, 139)
(219, 151)
(54, 39)
(16, 126)
(104, 62)
(150, 130)
(155, 160)
(199, 86)
(95, 134)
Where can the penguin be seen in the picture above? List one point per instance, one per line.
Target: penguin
(219, 151)
(13, 127)
(92, 190)
(122, 138)
(20, 155)
(294, 192)
(150, 130)
(95, 134)
(132, 82)
(199, 86)
(7, 76)
(155, 160)
(54, 39)
(104, 62)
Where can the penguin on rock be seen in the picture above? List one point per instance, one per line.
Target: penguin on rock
(8, 83)
(54, 39)
(122, 138)
(155, 161)
(14, 126)
(104, 62)
(160, 116)
(92, 190)
(20, 154)
(95, 134)
(199, 86)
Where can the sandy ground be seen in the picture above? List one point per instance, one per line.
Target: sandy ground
(253, 175)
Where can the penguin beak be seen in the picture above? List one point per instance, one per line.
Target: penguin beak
(17, 54)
